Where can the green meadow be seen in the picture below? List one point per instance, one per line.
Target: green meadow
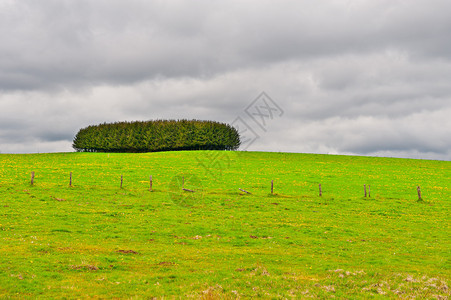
(197, 235)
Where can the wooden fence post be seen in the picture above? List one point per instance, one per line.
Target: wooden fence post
(320, 191)
(369, 191)
(70, 179)
(150, 181)
(244, 191)
(419, 193)
(32, 178)
(272, 187)
(364, 188)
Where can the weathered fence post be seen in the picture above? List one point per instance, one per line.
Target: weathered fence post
(32, 178)
(272, 187)
(150, 181)
(369, 191)
(419, 193)
(364, 188)
(70, 179)
(244, 191)
(320, 191)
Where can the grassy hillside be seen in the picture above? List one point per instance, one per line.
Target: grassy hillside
(95, 239)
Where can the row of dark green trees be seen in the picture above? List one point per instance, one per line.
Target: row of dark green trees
(157, 135)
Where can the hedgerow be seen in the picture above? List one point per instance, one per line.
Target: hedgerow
(157, 135)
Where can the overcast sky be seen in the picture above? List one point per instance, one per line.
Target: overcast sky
(358, 77)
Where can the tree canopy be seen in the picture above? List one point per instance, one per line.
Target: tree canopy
(157, 135)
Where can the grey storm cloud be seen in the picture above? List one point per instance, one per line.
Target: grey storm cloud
(353, 77)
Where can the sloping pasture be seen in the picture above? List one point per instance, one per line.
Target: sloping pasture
(211, 240)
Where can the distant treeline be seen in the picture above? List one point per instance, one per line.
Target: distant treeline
(158, 135)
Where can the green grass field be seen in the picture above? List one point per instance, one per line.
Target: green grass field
(97, 240)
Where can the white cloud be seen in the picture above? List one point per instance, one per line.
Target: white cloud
(359, 77)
